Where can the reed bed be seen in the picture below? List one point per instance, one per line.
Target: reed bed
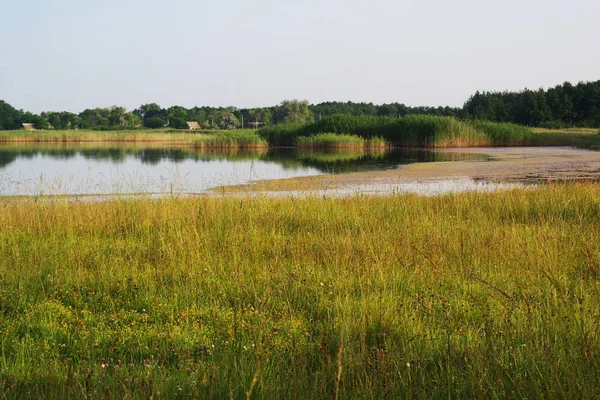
(461, 296)
(231, 139)
(52, 136)
(408, 131)
(429, 131)
(205, 139)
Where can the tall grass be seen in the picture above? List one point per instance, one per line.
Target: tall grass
(409, 131)
(461, 296)
(204, 139)
(231, 139)
(49, 136)
(427, 131)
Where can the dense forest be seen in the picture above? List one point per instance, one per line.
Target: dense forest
(565, 105)
(561, 106)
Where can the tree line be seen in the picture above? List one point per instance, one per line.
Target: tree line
(562, 106)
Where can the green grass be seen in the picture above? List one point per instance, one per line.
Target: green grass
(461, 296)
(429, 131)
(231, 139)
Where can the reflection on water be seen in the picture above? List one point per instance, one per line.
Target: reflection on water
(142, 168)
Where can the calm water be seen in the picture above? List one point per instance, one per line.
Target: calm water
(107, 169)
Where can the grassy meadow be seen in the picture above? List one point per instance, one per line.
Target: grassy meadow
(461, 296)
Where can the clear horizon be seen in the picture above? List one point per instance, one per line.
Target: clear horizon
(69, 56)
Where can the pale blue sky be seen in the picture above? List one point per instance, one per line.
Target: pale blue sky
(76, 54)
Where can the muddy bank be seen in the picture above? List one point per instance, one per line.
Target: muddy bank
(514, 165)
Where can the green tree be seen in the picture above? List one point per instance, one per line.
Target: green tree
(116, 116)
(154, 122)
(230, 121)
(132, 120)
(178, 116)
(261, 115)
(10, 118)
(295, 111)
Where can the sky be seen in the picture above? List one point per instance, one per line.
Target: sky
(72, 54)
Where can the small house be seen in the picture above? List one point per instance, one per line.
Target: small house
(192, 125)
(29, 127)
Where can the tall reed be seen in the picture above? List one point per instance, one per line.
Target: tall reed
(231, 139)
(427, 131)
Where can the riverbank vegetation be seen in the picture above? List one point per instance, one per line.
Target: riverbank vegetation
(338, 131)
(76, 136)
(560, 107)
(231, 140)
(387, 297)
(428, 131)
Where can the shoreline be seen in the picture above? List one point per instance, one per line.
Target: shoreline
(517, 165)
(508, 167)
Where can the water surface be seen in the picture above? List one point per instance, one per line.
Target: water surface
(82, 169)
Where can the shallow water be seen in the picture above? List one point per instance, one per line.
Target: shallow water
(434, 187)
(89, 169)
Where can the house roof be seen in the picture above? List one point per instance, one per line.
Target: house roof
(193, 125)
(29, 127)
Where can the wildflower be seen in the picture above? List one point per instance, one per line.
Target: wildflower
(42, 376)
(408, 364)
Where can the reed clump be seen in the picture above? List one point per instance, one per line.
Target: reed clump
(231, 139)
(462, 296)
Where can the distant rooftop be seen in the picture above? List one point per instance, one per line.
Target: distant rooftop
(193, 125)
